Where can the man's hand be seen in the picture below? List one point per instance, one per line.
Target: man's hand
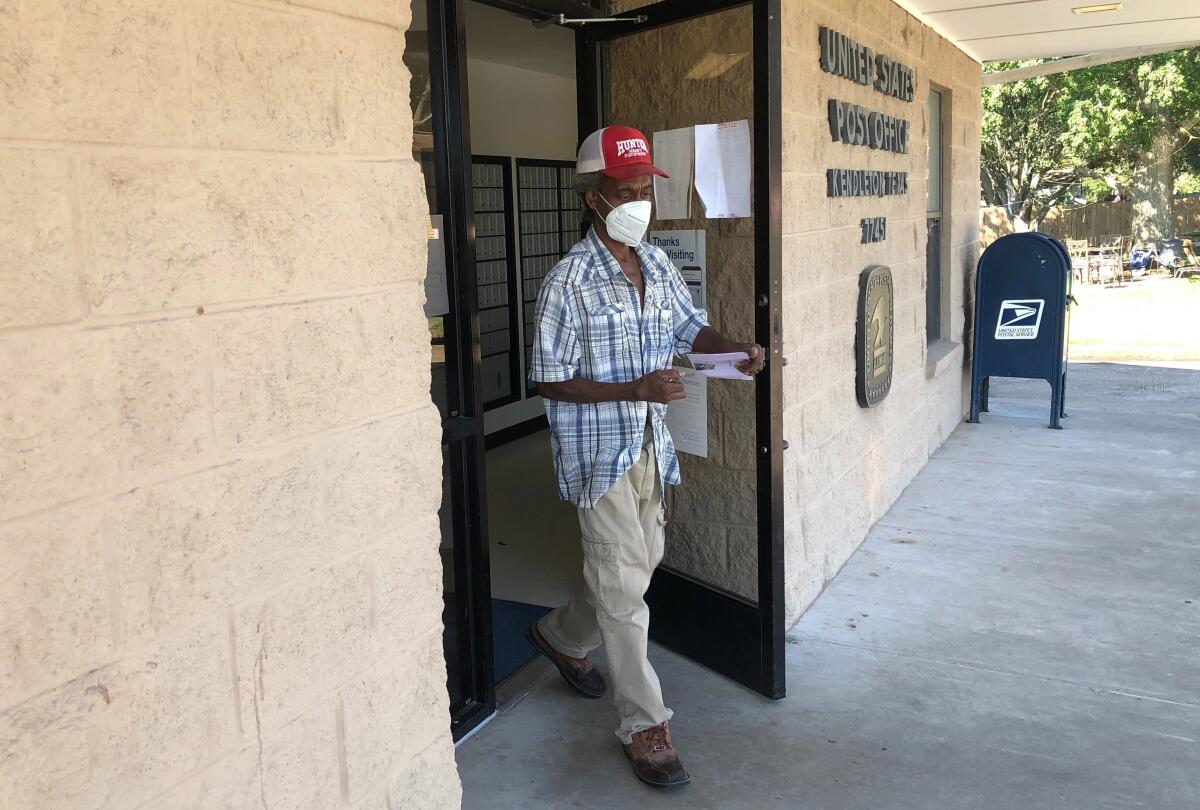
(758, 358)
(710, 341)
(659, 386)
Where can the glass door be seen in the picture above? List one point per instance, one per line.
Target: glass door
(718, 597)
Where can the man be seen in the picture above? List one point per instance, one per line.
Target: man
(611, 316)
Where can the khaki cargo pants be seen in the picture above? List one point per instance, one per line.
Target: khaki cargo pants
(622, 545)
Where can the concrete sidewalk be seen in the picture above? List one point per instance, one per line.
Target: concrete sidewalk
(1022, 630)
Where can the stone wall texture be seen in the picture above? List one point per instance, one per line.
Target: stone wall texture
(847, 464)
(219, 467)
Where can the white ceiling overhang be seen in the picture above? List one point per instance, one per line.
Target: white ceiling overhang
(1031, 29)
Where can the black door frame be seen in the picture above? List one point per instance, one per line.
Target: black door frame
(737, 637)
(462, 428)
(724, 631)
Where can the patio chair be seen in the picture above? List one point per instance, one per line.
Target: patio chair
(1105, 262)
(1170, 255)
(1110, 266)
(1126, 254)
(1077, 249)
(1139, 261)
(1188, 261)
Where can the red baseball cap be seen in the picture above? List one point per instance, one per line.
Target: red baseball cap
(619, 152)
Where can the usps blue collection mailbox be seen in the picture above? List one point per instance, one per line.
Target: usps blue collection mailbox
(1022, 286)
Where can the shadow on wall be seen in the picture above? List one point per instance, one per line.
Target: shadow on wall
(968, 308)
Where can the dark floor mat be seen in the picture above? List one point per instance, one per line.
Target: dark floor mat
(510, 650)
(510, 621)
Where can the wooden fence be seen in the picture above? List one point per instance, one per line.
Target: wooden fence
(1091, 222)
(994, 222)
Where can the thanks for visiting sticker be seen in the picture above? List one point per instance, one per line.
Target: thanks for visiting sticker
(1020, 319)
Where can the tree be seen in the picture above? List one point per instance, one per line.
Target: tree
(1143, 118)
(1021, 150)
(1128, 130)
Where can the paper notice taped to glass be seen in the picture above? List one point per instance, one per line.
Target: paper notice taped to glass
(719, 366)
(687, 419)
(437, 297)
(723, 169)
(686, 250)
(673, 153)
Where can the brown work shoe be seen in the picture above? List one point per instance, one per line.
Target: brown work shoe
(654, 759)
(578, 672)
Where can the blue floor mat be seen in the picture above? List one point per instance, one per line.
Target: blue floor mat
(510, 621)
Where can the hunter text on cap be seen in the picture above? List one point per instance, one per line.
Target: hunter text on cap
(619, 152)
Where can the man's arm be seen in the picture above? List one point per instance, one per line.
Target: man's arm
(555, 365)
(657, 386)
(710, 341)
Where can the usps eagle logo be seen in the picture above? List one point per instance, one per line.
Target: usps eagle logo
(632, 147)
(1020, 319)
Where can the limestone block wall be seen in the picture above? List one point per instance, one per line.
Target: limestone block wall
(848, 464)
(219, 470)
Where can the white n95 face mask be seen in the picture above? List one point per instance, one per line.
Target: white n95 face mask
(627, 223)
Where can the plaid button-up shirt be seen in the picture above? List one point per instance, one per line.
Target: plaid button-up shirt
(589, 324)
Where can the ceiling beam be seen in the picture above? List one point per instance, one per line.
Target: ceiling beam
(1078, 62)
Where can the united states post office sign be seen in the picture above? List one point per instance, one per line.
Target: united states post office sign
(873, 343)
(842, 56)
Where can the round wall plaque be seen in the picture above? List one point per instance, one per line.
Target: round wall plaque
(873, 343)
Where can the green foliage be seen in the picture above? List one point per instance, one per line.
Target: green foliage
(1096, 189)
(1187, 183)
(1021, 143)
(1095, 127)
(1132, 102)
